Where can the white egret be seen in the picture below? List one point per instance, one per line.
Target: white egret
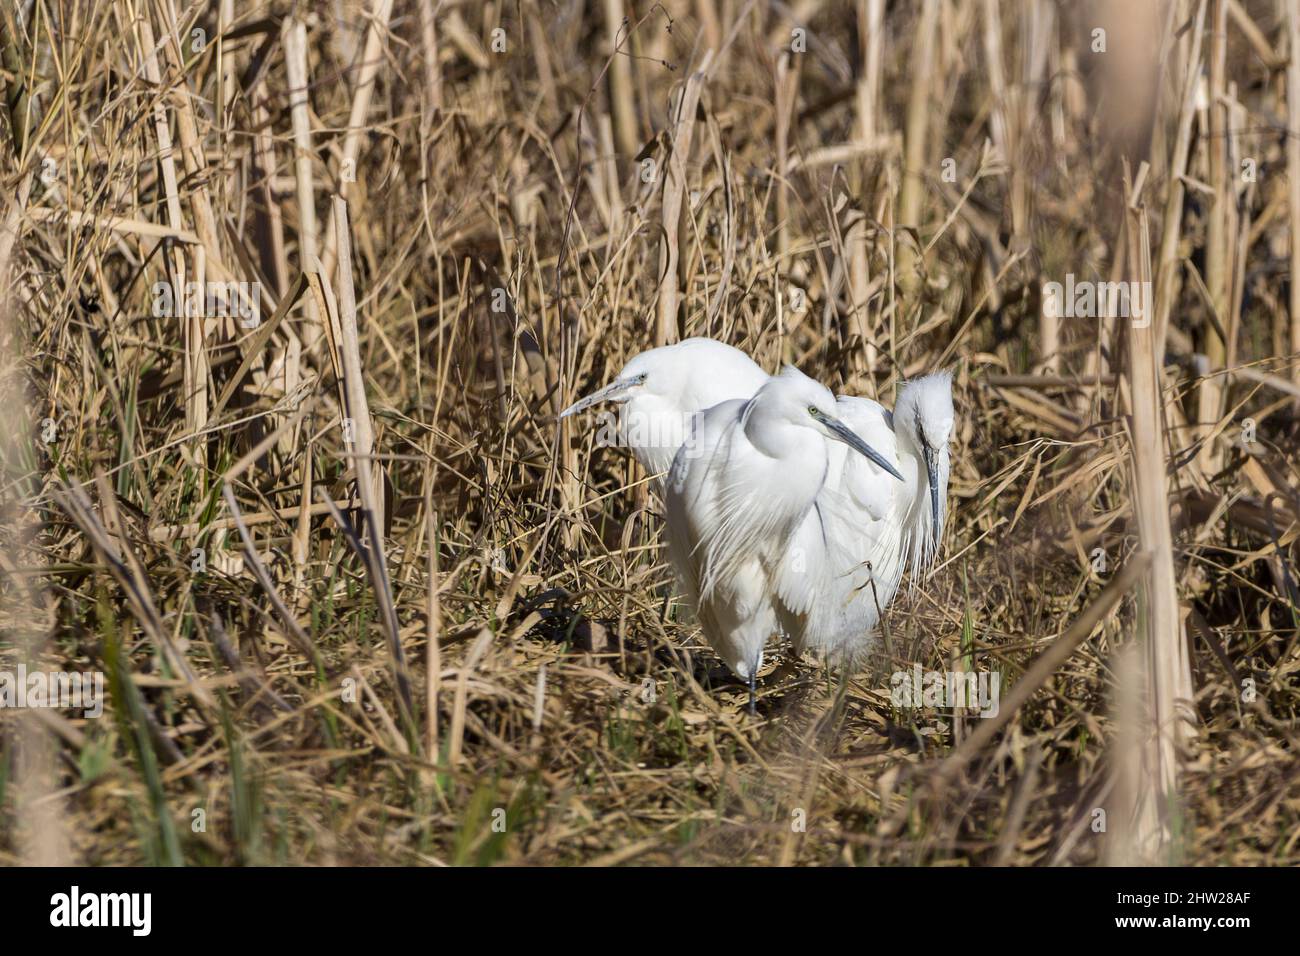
(844, 562)
(843, 565)
(662, 389)
(849, 555)
(923, 423)
(738, 494)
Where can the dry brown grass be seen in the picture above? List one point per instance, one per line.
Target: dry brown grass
(447, 611)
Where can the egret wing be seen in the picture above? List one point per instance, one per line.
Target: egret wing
(869, 486)
(726, 584)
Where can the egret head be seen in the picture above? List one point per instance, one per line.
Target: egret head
(689, 376)
(795, 399)
(924, 415)
(635, 379)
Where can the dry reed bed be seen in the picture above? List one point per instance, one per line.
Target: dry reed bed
(357, 595)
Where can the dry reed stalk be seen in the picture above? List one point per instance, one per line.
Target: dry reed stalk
(162, 534)
(268, 215)
(191, 145)
(196, 360)
(285, 363)
(134, 227)
(871, 34)
(227, 82)
(541, 49)
(40, 812)
(596, 174)
(10, 230)
(17, 92)
(432, 66)
(1074, 96)
(1239, 216)
(1254, 36)
(456, 735)
(1167, 277)
(294, 41)
(786, 88)
(258, 342)
(613, 194)
(870, 19)
(1218, 247)
(918, 121)
(372, 57)
(461, 37)
(1133, 835)
(676, 180)
(369, 479)
(302, 532)
(1038, 26)
(360, 436)
(622, 106)
(433, 628)
(1168, 679)
(1293, 174)
(707, 13)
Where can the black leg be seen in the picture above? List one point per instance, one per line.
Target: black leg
(753, 676)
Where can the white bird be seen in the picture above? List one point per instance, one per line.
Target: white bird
(845, 561)
(849, 555)
(738, 494)
(922, 421)
(662, 389)
(843, 565)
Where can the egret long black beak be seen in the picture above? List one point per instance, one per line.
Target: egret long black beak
(847, 435)
(614, 391)
(932, 476)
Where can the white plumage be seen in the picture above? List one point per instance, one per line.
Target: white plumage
(844, 564)
(661, 391)
(774, 522)
(867, 530)
(736, 498)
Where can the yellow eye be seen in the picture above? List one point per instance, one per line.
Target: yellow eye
(812, 410)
